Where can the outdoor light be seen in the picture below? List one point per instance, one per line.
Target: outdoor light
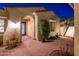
(52, 20)
(34, 13)
(14, 25)
(17, 25)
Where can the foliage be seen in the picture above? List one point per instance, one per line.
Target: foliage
(43, 29)
(65, 22)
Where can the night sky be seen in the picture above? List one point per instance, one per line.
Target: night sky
(62, 10)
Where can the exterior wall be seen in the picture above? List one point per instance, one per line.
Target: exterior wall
(1, 34)
(3, 17)
(36, 25)
(76, 23)
(57, 26)
(30, 26)
(24, 11)
(2, 12)
(47, 15)
(37, 16)
(13, 28)
(16, 12)
(16, 15)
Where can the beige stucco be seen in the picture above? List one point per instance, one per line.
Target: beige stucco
(29, 26)
(36, 25)
(3, 16)
(32, 23)
(31, 16)
(47, 15)
(10, 30)
(16, 14)
(76, 23)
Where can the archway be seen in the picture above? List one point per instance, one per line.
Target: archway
(28, 26)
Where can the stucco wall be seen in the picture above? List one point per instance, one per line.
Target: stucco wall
(30, 26)
(13, 28)
(3, 16)
(76, 23)
(16, 12)
(2, 33)
(24, 11)
(47, 15)
(16, 15)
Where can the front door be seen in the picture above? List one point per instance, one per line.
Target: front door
(23, 28)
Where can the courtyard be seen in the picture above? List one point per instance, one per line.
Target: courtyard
(30, 47)
(36, 31)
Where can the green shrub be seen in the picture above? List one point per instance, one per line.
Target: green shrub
(43, 29)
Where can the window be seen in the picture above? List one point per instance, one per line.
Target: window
(52, 26)
(23, 28)
(1, 25)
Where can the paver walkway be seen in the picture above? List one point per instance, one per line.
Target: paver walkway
(31, 47)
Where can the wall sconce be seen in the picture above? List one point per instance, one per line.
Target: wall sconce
(14, 25)
(50, 20)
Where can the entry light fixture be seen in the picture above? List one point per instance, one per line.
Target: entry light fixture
(50, 20)
(34, 13)
(14, 25)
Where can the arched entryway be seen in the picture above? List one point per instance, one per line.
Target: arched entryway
(28, 27)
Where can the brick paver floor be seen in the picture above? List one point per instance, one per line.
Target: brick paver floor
(30, 47)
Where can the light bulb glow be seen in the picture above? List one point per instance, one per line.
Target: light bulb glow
(14, 25)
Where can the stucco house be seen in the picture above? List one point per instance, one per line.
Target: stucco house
(34, 22)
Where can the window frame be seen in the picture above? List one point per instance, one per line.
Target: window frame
(4, 25)
(52, 25)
